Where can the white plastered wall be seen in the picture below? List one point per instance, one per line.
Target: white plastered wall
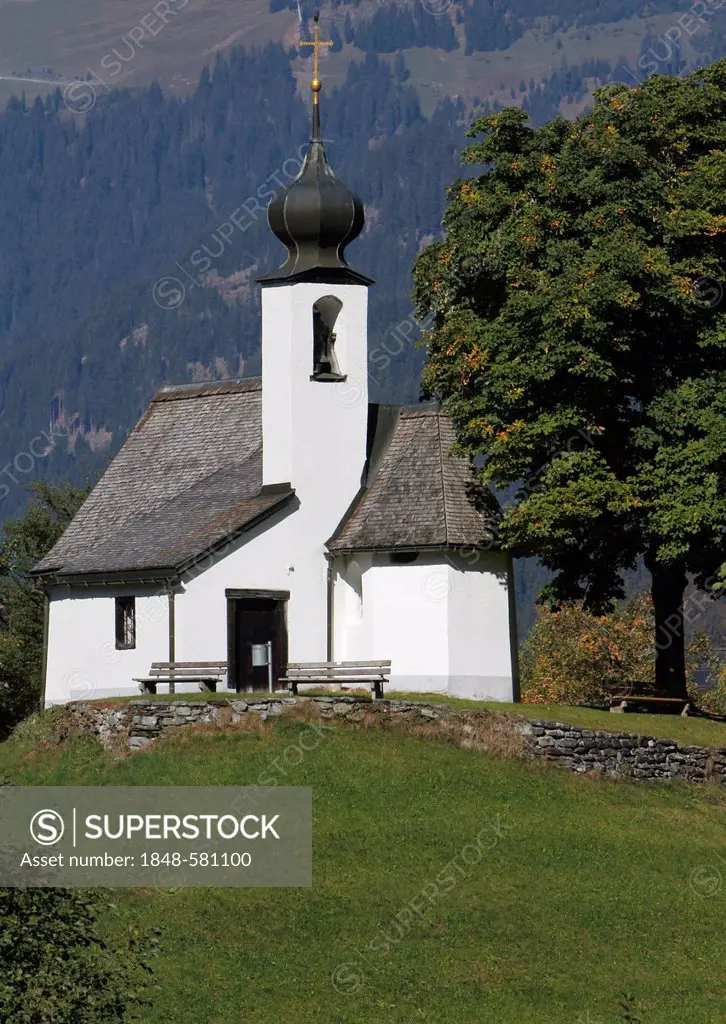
(83, 663)
(282, 555)
(442, 620)
(315, 439)
(314, 431)
(480, 633)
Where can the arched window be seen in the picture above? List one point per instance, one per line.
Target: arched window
(325, 360)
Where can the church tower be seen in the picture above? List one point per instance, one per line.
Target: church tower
(315, 335)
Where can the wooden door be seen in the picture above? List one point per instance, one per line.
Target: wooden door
(255, 621)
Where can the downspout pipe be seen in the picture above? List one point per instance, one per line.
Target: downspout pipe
(513, 634)
(330, 626)
(44, 667)
(172, 635)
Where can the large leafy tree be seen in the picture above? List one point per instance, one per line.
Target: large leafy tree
(579, 339)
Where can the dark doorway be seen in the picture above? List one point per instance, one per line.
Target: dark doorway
(255, 617)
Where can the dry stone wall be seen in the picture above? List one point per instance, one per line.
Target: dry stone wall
(139, 723)
(624, 754)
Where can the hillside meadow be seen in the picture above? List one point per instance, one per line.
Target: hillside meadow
(568, 898)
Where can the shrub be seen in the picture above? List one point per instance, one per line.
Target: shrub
(19, 690)
(710, 698)
(55, 968)
(23, 543)
(574, 657)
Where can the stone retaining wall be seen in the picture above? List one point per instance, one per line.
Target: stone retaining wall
(624, 754)
(138, 723)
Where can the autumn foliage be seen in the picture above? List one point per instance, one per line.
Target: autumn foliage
(574, 657)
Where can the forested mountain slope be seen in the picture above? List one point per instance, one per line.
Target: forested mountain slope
(105, 219)
(132, 221)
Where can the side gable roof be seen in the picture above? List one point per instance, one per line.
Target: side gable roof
(418, 494)
(188, 479)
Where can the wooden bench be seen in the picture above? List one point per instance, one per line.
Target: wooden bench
(206, 673)
(373, 673)
(626, 701)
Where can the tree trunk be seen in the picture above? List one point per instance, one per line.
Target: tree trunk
(667, 588)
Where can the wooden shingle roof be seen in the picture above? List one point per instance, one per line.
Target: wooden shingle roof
(418, 494)
(188, 479)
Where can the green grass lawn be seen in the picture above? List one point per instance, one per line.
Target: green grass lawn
(583, 893)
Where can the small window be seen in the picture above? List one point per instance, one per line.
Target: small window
(125, 623)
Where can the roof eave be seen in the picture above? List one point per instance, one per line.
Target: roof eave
(428, 546)
(316, 275)
(120, 577)
(165, 575)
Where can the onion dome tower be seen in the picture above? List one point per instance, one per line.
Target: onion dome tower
(315, 340)
(316, 216)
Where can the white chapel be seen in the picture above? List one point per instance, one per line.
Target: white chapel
(287, 511)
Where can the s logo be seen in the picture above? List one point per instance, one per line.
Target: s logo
(47, 828)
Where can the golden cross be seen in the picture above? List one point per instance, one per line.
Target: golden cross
(316, 85)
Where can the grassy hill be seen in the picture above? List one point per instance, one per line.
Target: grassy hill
(588, 892)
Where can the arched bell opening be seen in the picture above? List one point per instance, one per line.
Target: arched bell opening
(325, 359)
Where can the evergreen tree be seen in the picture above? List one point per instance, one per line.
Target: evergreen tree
(348, 28)
(400, 71)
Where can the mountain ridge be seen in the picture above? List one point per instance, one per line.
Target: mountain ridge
(126, 262)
